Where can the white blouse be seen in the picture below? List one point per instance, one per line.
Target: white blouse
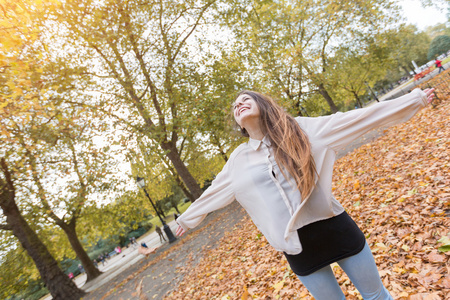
(253, 178)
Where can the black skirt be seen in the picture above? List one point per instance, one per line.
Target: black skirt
(325, 242)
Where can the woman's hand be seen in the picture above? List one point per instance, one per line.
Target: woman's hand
(430, 95)
(180, 231)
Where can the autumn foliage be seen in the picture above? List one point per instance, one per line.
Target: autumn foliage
(396, 188)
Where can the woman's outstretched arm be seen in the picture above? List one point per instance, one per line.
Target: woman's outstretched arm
(340, 129)
(218, 195)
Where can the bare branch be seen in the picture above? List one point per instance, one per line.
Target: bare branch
(193, 27)
(5, 227)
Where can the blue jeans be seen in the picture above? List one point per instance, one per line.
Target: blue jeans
(361, 270)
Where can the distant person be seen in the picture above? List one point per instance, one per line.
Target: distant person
(80, 267)
(161, 236)
(439, 65)
(101, 259)
(133, 242)
(282, 177)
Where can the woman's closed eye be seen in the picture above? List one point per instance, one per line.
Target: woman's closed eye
(236, 105)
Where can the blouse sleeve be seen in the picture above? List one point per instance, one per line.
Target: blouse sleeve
(340, 129)
(218, 195)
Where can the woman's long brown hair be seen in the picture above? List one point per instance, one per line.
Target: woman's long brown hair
(291, 146)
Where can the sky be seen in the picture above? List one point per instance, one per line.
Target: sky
(422, 17)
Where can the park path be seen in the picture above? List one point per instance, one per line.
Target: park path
(160, 272)
(410, 85)
(118, 263)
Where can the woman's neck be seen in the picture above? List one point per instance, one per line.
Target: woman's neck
(255, 133)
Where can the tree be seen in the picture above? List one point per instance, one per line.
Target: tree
(67, 154)
(59, 285)
(60, 166)
(438, 29)
(406, 45)
(160, 176)
(439, 45)
(144, 63)
(225, 76)
(354, 72)
(21, 87)
(288, 45)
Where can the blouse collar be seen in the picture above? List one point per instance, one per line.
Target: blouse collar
(256, 143)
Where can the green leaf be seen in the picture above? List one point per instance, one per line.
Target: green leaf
(446, 241)
(444, 248)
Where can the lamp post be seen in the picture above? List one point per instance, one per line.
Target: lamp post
(141, 183)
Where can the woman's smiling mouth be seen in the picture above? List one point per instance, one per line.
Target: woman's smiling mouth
(242, 109)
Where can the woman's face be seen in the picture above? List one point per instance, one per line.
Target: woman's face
(245, 110)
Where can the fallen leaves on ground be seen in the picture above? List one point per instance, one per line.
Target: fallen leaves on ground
(158, 257)
(398, 191)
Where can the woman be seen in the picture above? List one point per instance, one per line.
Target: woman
(282, 177)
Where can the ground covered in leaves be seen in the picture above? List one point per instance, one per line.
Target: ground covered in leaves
(396, 188)
(160, 273)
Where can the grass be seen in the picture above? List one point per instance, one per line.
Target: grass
(446, 60)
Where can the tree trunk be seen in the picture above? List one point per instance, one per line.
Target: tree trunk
(327, 97)
(297, 104)
(412, 70)
(184, 189)
(182, 170)
(357, 99)
(299, 109)
(406, 71)
(91, 271)
(216, 142)
(58, 283)
(176, 208)
(159, 209)
(223, 154)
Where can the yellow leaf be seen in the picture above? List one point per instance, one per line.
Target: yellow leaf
(278, 286)
(399, 270)
(403, 294)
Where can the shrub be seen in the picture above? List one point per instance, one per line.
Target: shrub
(438, 46)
